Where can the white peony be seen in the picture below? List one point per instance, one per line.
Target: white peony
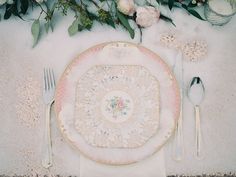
(147, 16)
(6, 1)
(127, 7)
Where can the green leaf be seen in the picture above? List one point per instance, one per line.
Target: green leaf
(185, 6)
(93, 16)
(167, 19)
(113, 9)
(35, 30)
(24, 6)
(12, 9)
(48, 25)
(8, 11)
(110, 22)
(73, 29)
(105, 17)
(171, 3)
(125, 23)
(86, 22)
(191, 4)
(196, 14)
(80, 27)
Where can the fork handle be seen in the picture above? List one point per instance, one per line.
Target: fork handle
(47, 149)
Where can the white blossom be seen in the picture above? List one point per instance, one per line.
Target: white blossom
(147, 16)
(6, 1)
(127, 7)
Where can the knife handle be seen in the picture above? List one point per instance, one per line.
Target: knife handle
(178, 148)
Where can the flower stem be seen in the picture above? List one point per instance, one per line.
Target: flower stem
(141, 34)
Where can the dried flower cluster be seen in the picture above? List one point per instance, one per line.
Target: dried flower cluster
(192, 50)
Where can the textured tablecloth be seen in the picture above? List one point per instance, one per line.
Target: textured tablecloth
(153, 166)
(21, 105)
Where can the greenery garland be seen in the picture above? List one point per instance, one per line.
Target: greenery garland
(86, 12)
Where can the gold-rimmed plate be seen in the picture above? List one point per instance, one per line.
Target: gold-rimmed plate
(126, 54)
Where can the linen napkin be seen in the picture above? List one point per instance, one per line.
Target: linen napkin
(153, 166)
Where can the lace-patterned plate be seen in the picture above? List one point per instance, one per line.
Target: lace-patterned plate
(117, 106)
(122, 54)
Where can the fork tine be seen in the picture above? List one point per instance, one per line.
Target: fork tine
(51, 77)
(45, 79)
(48, 79)
(53, 80)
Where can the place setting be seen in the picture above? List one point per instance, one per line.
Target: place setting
(118, 104)
(136, 88)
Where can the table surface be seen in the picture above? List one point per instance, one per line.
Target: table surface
(22, 66)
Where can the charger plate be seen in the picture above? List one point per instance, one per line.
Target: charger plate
(115, 54)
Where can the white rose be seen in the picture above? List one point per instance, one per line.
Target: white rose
(127, 7)
(147, 16)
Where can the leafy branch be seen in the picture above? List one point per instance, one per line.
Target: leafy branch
(106, 12)
(189, 7)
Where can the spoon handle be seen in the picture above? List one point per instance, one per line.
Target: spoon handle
(198, 137)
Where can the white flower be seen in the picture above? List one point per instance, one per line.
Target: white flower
(127, 7)
(6, 1)
(2, 2)
(147, 16)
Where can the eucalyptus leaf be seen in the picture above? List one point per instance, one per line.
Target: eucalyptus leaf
(153, 3)
(125, 23)
(185, 6)
(73, 29)
(113, 9)
(196, 14)
(47, 25)
(171, 3)
(14, 9)
(110, 22)
(8, 11)
(80, 27)
(105, 17)
(93, 16)
(167, 19)
(35, 31)
(140, 2)
(24, 6)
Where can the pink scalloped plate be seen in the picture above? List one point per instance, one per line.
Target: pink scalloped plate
(117, 53)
